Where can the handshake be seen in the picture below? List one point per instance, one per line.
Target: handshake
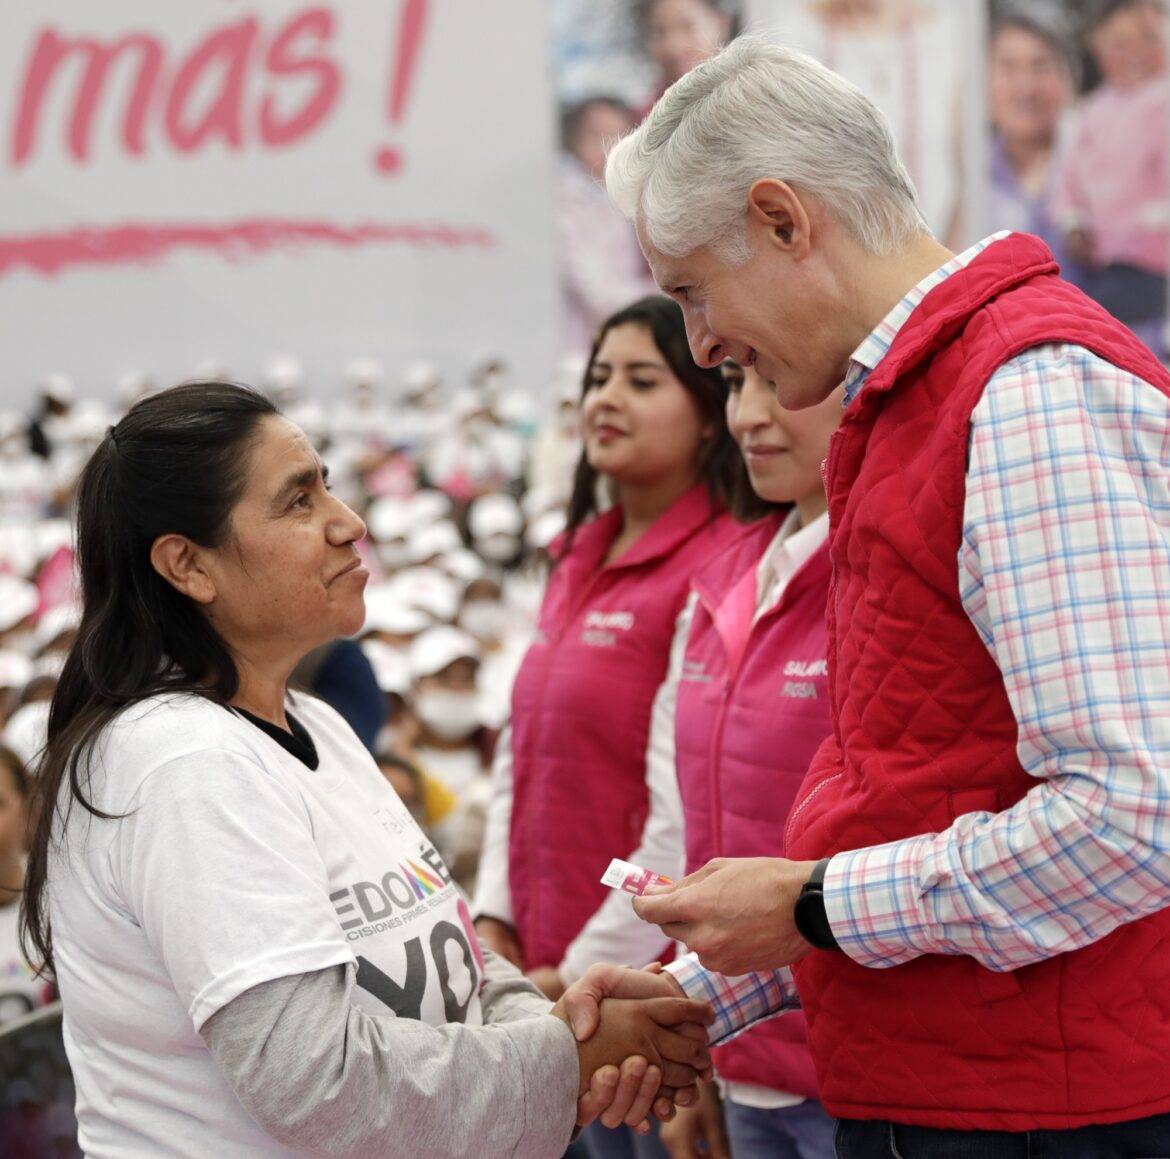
(641, 1044)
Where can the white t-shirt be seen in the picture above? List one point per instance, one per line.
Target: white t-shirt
(237, 864)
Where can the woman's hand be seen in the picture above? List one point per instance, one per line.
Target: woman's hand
(657, 1043)
(697, 1131)
(618, 1093)
(500, 938)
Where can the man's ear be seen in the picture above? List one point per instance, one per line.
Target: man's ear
(181, 563)
(779, 214)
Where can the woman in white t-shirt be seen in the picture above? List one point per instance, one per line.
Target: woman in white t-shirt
(258, 951)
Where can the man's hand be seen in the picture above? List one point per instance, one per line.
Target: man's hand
(501, 938)
(735, 913)
(644, 1038)
(548, 981)
(698, 1131)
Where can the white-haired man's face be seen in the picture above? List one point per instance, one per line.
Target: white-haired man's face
(780, 311)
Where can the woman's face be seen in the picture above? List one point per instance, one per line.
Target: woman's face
(642, 427)
(1129, 46)
(601, 124)
(783, 449)
(288, 576)
(683, 33)
(1029, 86)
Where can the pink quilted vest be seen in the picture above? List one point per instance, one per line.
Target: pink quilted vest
(924, 733)
(581, 714)
(753, 706)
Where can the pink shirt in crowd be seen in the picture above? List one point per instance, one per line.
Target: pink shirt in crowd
(1113, 180)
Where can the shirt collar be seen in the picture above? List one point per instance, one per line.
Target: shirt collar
(871, 351)
(791, 548)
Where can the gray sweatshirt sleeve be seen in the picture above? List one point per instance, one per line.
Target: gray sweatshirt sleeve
(323, 1076)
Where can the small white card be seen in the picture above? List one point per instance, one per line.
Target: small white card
(630, 878)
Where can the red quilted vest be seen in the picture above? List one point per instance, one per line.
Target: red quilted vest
(924, 732)
(753, 706)
(581, 710)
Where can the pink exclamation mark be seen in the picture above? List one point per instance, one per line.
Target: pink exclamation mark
(411, 22)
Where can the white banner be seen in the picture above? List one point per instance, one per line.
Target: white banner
(185, 182)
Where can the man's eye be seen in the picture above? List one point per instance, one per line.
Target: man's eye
(302, 500)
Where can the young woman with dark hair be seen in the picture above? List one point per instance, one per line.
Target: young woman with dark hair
(571, 788)
(257, 949)
(748, 684)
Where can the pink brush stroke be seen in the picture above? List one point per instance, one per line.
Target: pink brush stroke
(139, 243)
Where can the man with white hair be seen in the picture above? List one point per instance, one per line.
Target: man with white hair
(973, 888)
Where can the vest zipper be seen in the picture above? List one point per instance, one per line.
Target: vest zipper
(800, 807)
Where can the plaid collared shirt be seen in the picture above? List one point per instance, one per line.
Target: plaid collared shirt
(1064, 570)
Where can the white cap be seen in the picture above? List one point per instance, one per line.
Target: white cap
(428, 507)
(52, 534)
(495, 514)
(282, 372)
(437, 539)
(133, 385)
(58, 387)
(18, 549)
(421, 376)
(388, 518)
(463, 565)
(210, 369)
(27, 731)
(429, 590)
(391, 666)
(388, 610)
(539, 500)
(18, 600)
(364, 372)
(567, 378)
(439, 646)
(16, 669)
(62, 618)
(544, 529)
(11, 424)
(468, 402)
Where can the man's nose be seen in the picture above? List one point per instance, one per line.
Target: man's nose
(706, 349)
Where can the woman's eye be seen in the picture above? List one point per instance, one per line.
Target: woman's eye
(643, 383)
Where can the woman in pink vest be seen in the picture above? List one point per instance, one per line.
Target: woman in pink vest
(752, 707)
(571, 786)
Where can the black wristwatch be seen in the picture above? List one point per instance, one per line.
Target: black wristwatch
(809, 911)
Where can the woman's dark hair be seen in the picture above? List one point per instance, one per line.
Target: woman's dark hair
(721, 464)
(175, 464)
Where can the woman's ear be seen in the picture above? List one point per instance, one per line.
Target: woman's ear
(180, 562)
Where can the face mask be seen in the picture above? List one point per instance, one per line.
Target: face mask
(450, 715)
(498, 548)
(485, 619)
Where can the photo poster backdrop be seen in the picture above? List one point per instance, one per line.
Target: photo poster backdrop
(922, 63)
(222, 182)
(1079, 112)
(1021, 114)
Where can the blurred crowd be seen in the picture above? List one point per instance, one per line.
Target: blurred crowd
(462, 490)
